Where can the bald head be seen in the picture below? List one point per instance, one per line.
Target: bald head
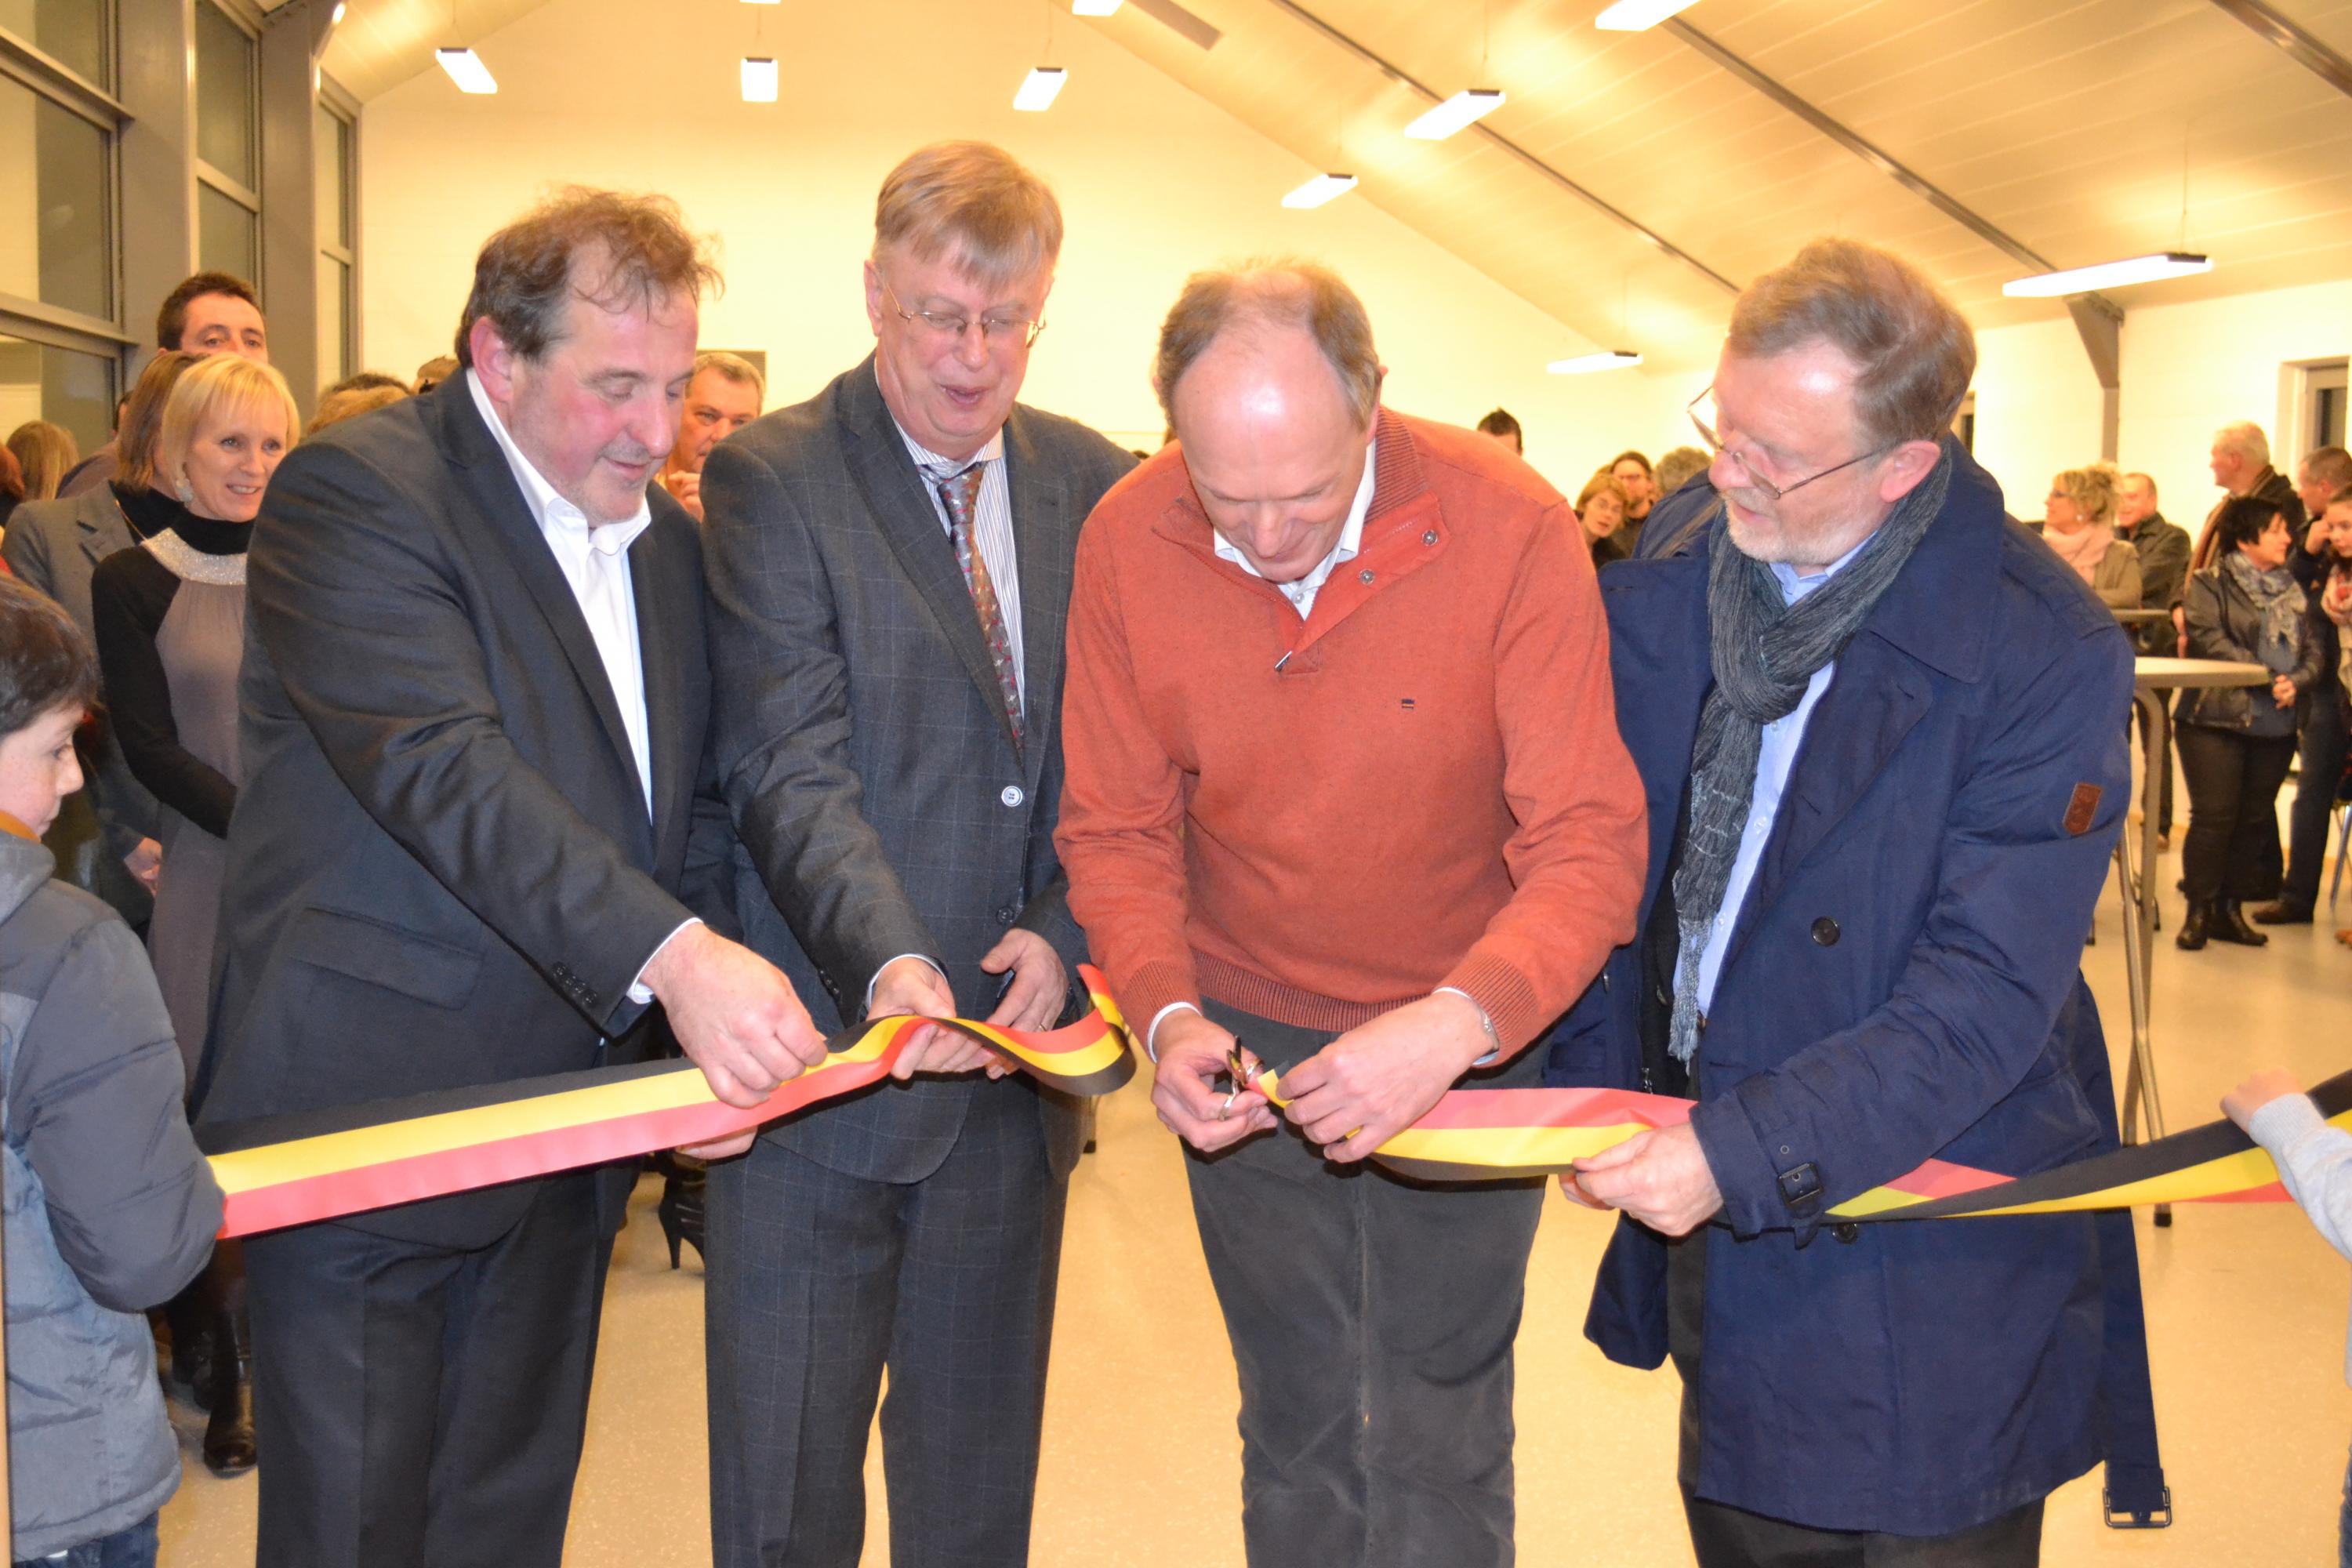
(1273, 443)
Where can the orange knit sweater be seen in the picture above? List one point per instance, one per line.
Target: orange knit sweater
(1428, 791)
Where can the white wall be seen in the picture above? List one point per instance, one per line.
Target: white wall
(2186, 371)
(1154, 182)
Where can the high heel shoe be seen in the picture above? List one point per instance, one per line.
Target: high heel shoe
(680, 1209)
(229, 1446)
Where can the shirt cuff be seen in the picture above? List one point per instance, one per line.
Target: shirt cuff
(878, 975)
(1151, 1030)
(2282, 1121)
(637, 992)
(1485, 1023)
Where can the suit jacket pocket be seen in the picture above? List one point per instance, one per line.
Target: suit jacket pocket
(422, 967)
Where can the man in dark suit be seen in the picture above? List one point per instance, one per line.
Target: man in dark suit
(890, 567)
(475, 702)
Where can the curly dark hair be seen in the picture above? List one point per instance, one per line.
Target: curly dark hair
(638, 247)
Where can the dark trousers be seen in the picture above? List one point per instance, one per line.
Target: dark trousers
(819, 1281)
(2322, 749)
(2156, 753)
(2234, 785)
(132, 1548)
(419, 1406)
(1727, 1537)
(1371, 1321)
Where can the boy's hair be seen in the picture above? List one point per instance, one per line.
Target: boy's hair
(45, 663)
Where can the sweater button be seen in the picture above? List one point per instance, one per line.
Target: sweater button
(1365, 576)
(1430, 538)
(1825, 933)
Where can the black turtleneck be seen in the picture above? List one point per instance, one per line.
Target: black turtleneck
(130, 595)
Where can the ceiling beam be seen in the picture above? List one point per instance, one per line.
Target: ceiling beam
(2298, 45)
(1614, 213)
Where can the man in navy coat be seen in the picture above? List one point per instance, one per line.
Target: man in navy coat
(1881, 732)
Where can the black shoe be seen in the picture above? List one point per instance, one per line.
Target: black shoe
(194, 1324)
(680, 1210)
(2282, 913)
(229, 1447)
(2191, 934)
(2230, 925)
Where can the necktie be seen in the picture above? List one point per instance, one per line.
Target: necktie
(961, 492)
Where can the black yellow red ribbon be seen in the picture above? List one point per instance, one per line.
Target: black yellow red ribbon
(292, 1170)
(1475, 1135)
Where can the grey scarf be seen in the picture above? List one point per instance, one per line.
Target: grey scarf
(2279, 598)
(1765, 651)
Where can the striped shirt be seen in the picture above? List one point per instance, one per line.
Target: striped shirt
(991, 528)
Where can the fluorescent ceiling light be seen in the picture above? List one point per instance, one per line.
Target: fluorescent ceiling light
(2108, 275)
(1040, 88)
(466, 69)
(1585, 365)
(1455, 113)
(1093, 7)
(763, 2)
(759, 79)
(336, 19)
(1638, 16)
(1320, 189)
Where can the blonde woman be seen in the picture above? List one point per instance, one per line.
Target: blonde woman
(170, 615)
(1602, 507)
(2078, 522)
(45, 453)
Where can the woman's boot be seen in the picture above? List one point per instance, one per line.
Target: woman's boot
(228, 1436)
(680, 1210)
(2229, 924)
(2191, 934)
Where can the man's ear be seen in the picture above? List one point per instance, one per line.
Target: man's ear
(494, 360)
(1906, 465)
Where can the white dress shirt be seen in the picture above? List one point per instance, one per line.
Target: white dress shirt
(595, 560)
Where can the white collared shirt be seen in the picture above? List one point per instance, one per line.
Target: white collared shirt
(594, 559)
(991, 528)
(1301, 594)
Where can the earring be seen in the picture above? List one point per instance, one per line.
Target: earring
(186, 492)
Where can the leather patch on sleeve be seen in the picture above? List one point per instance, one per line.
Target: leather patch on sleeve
(2082, 808)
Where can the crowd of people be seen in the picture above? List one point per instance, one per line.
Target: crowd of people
(562, 706)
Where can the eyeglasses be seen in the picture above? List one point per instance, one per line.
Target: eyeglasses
(1704, 425)
(994, 330)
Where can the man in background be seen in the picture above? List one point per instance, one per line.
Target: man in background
(726, 395)
(210, 313)
(1499, 423)
(2320, 716)
(2163, 550)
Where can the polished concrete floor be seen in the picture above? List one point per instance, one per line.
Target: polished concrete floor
(2247, 1312)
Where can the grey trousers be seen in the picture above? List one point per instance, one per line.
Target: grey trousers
(1371, 1321)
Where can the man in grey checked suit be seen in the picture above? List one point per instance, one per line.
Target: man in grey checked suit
(890, 567)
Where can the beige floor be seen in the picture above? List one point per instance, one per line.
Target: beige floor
(1141, 1464)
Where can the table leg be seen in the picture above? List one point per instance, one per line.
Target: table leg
(2139, 937)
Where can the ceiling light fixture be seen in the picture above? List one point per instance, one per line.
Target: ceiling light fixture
(2108, 275)
(335, 19)
(1465, 108)
(466, 69)
(1320, 189)
(759, 79)
(1638, 16)
(1093, 7)
(1040, 88)
(1585, 365)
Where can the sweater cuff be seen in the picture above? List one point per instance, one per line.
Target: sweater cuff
(1160, 984)
(1503, 994)
(2284, 1121)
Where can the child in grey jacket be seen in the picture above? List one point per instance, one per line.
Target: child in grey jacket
(108, 1207)
(2314, 1166)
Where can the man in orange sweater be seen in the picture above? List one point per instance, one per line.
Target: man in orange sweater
(1343, 784)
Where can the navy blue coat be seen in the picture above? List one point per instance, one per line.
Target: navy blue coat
(1903, 982)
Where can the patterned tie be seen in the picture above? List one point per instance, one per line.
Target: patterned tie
(961, 492)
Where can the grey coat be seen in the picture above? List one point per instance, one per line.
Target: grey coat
(55, 546)
(881, 805)
(2224, 624)
(109, 1209)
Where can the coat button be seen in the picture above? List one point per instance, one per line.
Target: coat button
(1006, 914)
(1364, 576)
(1011, 795)
(1825, 933)
(1430, 538)
(1848, 1233)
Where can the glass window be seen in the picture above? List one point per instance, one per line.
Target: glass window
(72, 32)
(224, 239)
(53, 195)
(74, 390)
(334, 321)
(224, 93)
(331, 168)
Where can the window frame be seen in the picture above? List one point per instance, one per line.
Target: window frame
(210, 175)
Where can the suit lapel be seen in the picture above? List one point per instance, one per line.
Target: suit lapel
(909, 523)
(1045, 541)
(506, 518)
(655, 582)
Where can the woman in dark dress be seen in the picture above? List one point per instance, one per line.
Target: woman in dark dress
(169, 617)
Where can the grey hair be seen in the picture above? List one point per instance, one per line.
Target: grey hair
(971, 202)
(1913, 351)
(734, 368)
(2244, 438)
(1271, 292)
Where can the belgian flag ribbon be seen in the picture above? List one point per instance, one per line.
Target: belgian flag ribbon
(1473, 1135)
(291, 1170)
